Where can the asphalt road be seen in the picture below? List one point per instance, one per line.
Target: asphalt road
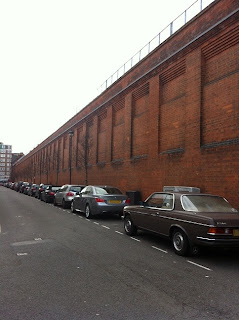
(58, 265)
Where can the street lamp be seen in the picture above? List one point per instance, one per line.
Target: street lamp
(71, 134)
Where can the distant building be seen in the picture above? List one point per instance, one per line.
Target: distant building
(17, 156)
(5, 161)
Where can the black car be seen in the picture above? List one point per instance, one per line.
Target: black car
(49, 193)
(40, 189)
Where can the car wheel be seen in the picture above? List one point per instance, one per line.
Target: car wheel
(129, 227)
(63, 204)
(180, 243)
(54, 202)
(72, 207)
(88, 212)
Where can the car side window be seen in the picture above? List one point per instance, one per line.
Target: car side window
(168, 202)
(155, 201)
(88, 190)
(160, 200)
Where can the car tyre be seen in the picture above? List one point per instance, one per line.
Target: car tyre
(54, 202)
(129, 227)
(64, 204)
(180, 242)
(88, 214)
(72, 207)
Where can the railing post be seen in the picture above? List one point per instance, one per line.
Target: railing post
(171, 28)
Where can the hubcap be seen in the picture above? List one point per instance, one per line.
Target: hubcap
(178, 241)
(128, 225)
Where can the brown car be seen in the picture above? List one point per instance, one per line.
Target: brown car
(188, 219)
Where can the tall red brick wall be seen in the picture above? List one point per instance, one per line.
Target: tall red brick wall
(171, 120)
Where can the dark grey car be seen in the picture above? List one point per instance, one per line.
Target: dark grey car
(96, 200)
(189, 220)
(66, 194)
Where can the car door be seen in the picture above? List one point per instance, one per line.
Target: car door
(150, 216)
(58, 195)
(82, 198)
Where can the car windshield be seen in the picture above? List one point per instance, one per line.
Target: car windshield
(107, 190)
(204, 203)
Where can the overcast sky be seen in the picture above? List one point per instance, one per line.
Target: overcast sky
(55, 54)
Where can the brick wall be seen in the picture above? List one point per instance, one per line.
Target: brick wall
(171, 120)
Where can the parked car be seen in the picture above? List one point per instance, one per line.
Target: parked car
(27, 188)
(96, 200)
(65, 195)
(39, 190)
(49, 192)
(32, 190)
(189, 220)
(18, 186)
(23, 186)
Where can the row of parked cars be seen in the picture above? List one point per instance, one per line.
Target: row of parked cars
(184, 215)
(91, 200)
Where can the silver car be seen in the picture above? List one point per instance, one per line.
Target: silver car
(96, 200)
(66, 194)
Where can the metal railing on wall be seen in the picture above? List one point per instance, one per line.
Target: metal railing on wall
(195, 8)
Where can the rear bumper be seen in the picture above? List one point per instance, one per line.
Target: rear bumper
(108, 209)
(213, 242)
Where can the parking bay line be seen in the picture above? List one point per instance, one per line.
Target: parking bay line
(199, 265)
(135, 239)
(160, 249)
(105, 227)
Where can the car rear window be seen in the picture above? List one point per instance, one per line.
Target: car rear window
(204, 203)
(76, 189)
(55, 188)
(107, 190)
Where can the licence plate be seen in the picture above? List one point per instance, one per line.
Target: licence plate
(236, 232)
(114, 201)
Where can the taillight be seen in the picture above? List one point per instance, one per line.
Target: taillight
(220, 231)
(51, 193)
(127, 201)
(70, 194)
(99, 200)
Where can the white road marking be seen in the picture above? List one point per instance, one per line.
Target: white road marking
(0, 228)
(96, 223)
(159, 249)
(119, 232)
(22, 254)
(105, 227)
(199, 265)
(135, 239)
